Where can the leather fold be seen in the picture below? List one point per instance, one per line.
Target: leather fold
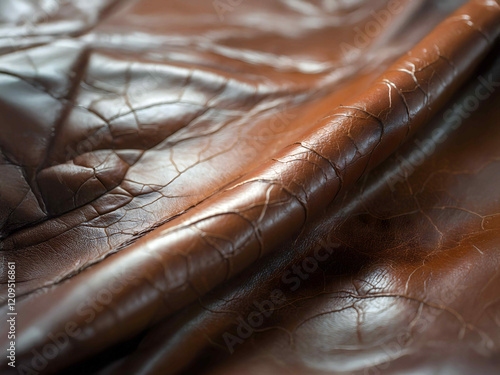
(192, 253)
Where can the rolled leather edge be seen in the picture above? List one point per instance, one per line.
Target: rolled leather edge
(175, 344)
(198, 250)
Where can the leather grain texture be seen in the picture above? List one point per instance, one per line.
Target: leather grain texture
(251, 187)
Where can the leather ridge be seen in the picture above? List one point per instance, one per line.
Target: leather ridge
(160, 270)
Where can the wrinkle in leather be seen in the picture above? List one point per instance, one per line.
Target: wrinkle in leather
(169, 167)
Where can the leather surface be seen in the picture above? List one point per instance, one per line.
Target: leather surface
(265, 187)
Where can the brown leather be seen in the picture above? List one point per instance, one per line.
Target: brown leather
(264, 187)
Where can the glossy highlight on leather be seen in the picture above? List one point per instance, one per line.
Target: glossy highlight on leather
(251, 187)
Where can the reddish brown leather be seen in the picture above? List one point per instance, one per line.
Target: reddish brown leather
(166, 166)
